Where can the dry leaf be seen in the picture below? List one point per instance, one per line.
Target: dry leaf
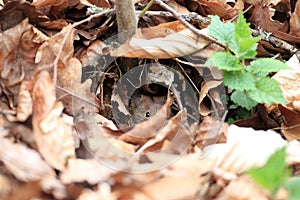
(52, 132)
(24, 163)
(245, 148)
(173, 188)
(289, 83)
(295, 20)
(290, 124)
(173, 45)
(91, 171)
(20, 42)
(242, 188)
(52, 185)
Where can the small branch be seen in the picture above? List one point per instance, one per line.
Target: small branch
(185, 23)
(276, 41)
(126, 19)
(105, 12)
(78, 97)
(146, 8)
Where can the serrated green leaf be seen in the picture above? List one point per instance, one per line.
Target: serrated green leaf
(267, 91)
(293, 188)
(221, 31)
(246, 48)
(243, 100)
(224, 61)
(242, 29)
(274, 173)
(244, 45)
(239, 80)
(267, 65)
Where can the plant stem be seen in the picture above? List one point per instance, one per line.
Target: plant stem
(146, 8)
(126, 19)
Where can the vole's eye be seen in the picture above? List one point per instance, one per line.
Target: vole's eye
(147, 114)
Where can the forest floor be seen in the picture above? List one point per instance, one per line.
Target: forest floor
(84, 116)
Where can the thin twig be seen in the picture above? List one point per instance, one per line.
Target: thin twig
(105, 12)
(146, 8)
(78, 97)
(185, 23)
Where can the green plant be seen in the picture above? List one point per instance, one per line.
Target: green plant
(275, 175)
(250, 83)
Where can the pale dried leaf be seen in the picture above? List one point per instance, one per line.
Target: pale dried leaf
(245, 148)
(61, 45)
(173, 188)
(91, 171)
(52, 130)
(52, 185)
(173, 45)
(295, 20)
(289, 82)
(24, 163)
(189, 166)
(242, 188)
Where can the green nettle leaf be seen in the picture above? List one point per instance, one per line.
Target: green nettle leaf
(241, 98)
(249, 83)
(267, 91)
(244, 44)
(239, 80)
(267, 65)
(221, 31)
(224, 61)
(274, 173)
(293, 188)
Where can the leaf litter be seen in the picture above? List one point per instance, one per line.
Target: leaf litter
(56, 82)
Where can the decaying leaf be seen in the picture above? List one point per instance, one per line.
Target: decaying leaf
(52, 130)
(169, 46)
(18, 46)
(243, 188)
(290, 86)
(24, 163)
(290, 124)
(91, 171)
(182, 188)
(245, 148)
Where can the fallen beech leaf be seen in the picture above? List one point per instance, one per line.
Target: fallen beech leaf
(222, 8)
(13, 12)
(52, 132)
(74, 94)
(173, 45)
(91, 171)
(262, 17)
(245, 148)
(52, 185)
(103, 192)
(242, 188)
(22, 42)
(7, 186)
(130, 193)
(290, 124)
(61, 44)
(174, 188)
(289, 83)
(295, 20)
(24, 107)
(42, 3)
(189, 166)
(24, 163)
(178, 8)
